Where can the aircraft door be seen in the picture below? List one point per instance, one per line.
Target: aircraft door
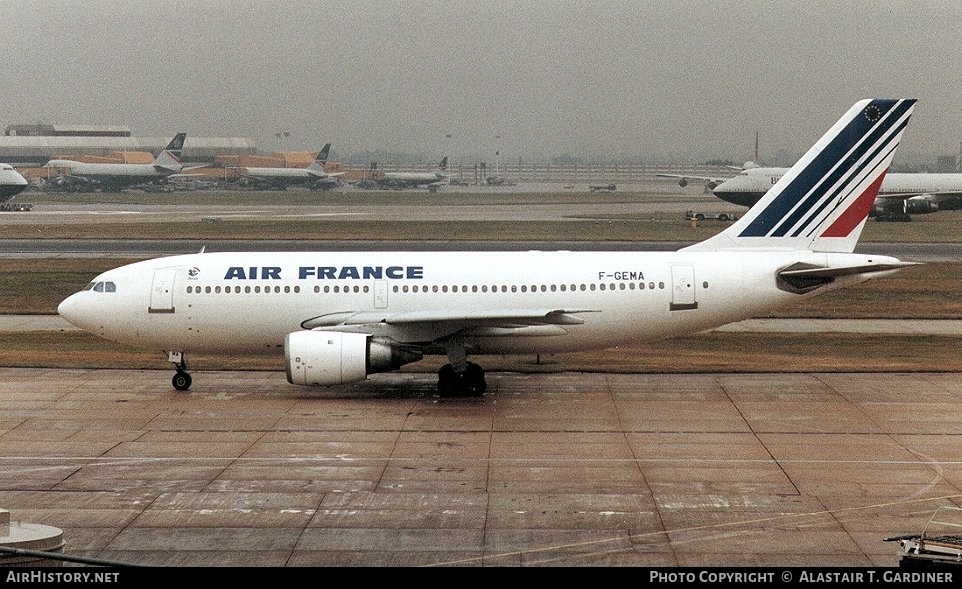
(162, 291)
(682, 288)
(380, 294)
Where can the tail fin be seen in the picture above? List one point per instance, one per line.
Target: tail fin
(322, 155)
(822, 202)
(169, 158)
(443, 166)
(317, 165)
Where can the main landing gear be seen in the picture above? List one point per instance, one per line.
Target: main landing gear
(181, 380)
(460, 378)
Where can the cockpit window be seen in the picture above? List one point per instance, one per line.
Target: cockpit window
(110, 287)
(90, 286)
(102, 287)
(99, 287)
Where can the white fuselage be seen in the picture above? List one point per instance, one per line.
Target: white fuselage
(410, 178)
(295, 173)
(107, 170)
(248, 302)
(749, 186)
(12, 182)
(112, 175)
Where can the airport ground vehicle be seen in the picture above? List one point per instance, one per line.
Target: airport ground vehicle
(691, 215)
(15, 207)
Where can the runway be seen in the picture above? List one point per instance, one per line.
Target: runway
(569, 469)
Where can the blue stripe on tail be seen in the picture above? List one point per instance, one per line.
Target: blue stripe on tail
(852, 143)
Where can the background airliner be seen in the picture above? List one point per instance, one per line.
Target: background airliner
(713, 181)
(114, 177)
(312, 176)
(400, 180)
(899, 196)
(12, 182)
(339, 316)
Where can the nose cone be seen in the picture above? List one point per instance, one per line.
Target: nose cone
(70, 310)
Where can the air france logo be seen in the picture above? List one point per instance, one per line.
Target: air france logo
(327, 273)
(193, 273)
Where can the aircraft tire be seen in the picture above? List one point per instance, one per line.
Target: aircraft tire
(469, 383)
(474, 383)
(181, 381)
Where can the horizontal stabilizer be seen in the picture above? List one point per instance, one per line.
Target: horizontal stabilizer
(826, 272)
(801, 278)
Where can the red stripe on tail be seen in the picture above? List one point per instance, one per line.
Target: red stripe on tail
(857, 212)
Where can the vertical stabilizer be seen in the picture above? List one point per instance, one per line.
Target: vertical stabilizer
(318, 164)
(823, 201)
(169, 158)
(322, 155)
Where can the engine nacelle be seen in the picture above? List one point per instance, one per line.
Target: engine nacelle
(333, 357)
(920, 206)
(910, 206)
(683, 182)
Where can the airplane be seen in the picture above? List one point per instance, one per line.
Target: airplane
(312, 176)
(12, 182)
(899, 196)
(710, 181)
(338, 317)
(713, 181)
(399, 180)
(115, 177)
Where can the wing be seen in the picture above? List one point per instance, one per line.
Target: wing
(427, 327)
(933, 196)
(710, 182)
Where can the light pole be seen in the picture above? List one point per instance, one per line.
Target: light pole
(281, 137)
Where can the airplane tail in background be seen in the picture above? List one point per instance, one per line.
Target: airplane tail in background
(443, 166)
(317, 166)
(822, 202)
(169, 158)
(322, 155)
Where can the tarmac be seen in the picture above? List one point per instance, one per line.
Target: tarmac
(565, 469)
(569, 469)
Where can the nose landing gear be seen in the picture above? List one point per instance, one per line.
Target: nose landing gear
(181, 380)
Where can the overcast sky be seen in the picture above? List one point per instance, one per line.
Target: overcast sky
(533, 78)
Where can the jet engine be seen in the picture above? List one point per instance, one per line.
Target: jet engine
(683, 182)
(333, 357)
(920, 206)
(900, 210)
